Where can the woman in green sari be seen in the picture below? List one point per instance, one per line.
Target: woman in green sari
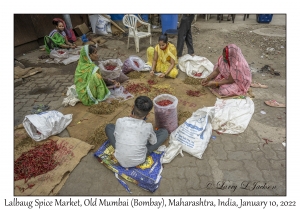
(57, 38)
(90, 86)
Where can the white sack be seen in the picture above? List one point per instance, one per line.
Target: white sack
(195, 132)
(232, 115)
(41, 126)
(195, 64)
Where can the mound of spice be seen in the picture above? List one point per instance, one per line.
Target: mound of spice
(192, 81)
(110, 67)
(104, 108)
(36, 161)
(164, 102)
(60, 52)
(99, 136)
(134, 74)
(137, 88)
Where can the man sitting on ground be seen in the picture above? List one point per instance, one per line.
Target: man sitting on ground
(132, 137)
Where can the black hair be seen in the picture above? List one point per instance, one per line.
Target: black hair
(55, 22)
(142, 106)
(92, 49)
(164, 38)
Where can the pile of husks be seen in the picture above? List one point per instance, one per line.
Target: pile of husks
(98, 137)
(183, 116)
(104, 108)
(134, 74)
(192, 81)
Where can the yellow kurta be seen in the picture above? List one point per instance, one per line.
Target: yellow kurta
(164, 59)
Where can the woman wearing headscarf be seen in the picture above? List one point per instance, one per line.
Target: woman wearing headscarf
(90, 86)
(231, 75)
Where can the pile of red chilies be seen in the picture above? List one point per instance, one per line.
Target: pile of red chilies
(110, 67)
(36, 161)
(137, 88)
(164, 103)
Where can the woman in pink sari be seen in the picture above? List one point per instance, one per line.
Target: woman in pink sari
(231, 75)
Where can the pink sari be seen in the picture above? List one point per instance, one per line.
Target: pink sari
(238, 68)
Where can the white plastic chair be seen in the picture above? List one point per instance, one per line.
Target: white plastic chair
(130, 21)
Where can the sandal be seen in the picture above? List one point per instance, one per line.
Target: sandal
(258, 85)
(274, 103)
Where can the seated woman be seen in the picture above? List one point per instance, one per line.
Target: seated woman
(90, 86)
(231, 75)
(57, 38)
(163, 58)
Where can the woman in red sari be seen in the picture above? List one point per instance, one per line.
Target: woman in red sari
(231, 75)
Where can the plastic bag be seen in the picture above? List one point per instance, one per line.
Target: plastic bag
(110, 74)
(166, 116)
(71, 59)
(232, 115)
(41, 126)
(120, 94)
(71, 97)
(61, 54)
(195, 132)
(195, 66)
(126, 68)
(122, 78)
(136, 63)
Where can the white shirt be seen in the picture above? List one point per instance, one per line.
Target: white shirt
(132, 136)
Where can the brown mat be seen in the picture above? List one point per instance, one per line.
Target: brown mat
(27, 72)
(70, 152)
(84, 122)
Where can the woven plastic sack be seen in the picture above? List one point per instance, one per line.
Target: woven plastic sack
(41, 126)
(194, 134)
(136, 63)
(166, 116)
(110, 74)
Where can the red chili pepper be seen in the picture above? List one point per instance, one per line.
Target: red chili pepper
(136, 63)
(198, 74)
(164, 103)
(110, 67)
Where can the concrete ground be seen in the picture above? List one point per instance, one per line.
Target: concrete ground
(230, 161)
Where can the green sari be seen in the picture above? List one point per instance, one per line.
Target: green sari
(90, 86)
(54, 41)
